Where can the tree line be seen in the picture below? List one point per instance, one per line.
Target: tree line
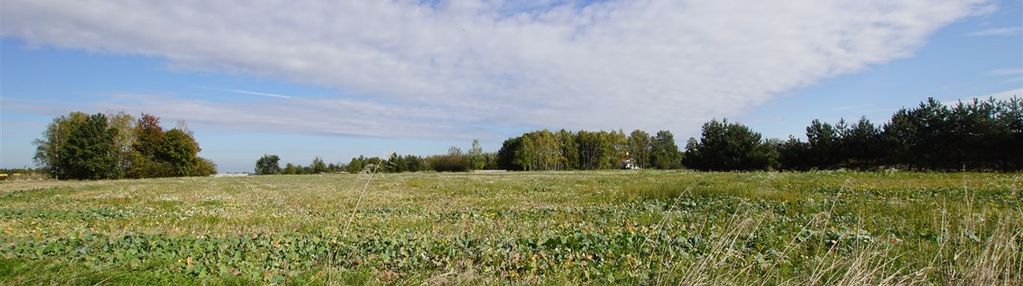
(100, 146)
(454, 161)
(540, 150)
(587, 150)
(974, 135)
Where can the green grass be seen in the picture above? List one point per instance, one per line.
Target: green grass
(644, 227)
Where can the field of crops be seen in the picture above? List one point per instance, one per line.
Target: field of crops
(642, 227)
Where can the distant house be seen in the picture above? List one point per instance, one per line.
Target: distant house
(627, 163)
(239, 174)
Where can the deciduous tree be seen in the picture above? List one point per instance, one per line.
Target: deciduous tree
(268, 165)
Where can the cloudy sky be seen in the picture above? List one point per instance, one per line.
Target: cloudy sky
(335, 79)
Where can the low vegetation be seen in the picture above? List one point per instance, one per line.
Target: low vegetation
(594, 227)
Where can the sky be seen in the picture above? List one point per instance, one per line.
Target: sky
(337, 79)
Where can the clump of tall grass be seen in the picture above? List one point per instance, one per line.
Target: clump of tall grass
(974, 248)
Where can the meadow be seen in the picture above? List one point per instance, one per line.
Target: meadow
(593, 227)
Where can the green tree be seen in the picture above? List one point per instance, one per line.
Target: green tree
(89, 152)
(569, 150)
(617, 144)
(453, 161)
(180, 150)
(595, 150)
(506, 156)
(664, 154)
(356, 165)
(317, 167)
(394, 164)
(526, 153)
(205, 167)
(149, 135)
(545, 153)
(292, 169)
(416, 163)
(54, 137)
(862, 144)
(1009, 135)
(900, 139)
(915, 137)
(725, 146)
(124, 140)
(148, 141)
(640, 147)
(491, 161)
(268, 165)
(794, 154)
(825, 143)
(476, 159)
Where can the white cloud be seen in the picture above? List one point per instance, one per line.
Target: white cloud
(1002, 95)
(249, 92)
(1005, 94)
(1001, 31)
(296, 115)
(449, 67)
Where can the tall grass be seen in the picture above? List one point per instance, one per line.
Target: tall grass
(971, 251)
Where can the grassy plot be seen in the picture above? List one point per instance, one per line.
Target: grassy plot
(643, 227)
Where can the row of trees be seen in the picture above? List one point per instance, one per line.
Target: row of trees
(100, 146)
(454, 161)
(270, 164)
(727, 145)
(586, 150)
(976, 135)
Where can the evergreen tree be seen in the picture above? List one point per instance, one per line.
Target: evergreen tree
(356, 165)
(825, 144)
(1006, 152)
(794, 154)
(725, 146)
(862, 144)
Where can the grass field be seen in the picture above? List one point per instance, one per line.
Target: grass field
(641, 227)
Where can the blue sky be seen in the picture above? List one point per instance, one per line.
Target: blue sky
(339, 80)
